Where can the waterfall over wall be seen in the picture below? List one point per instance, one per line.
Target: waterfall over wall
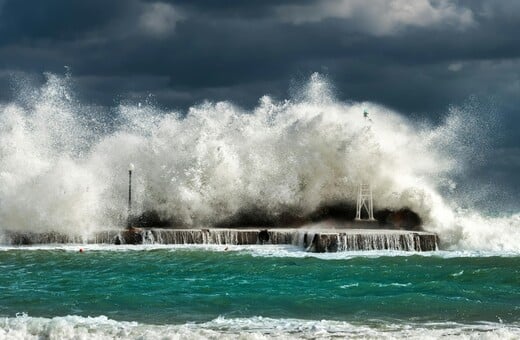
(407, 242)
(20, 238)
(310, 240)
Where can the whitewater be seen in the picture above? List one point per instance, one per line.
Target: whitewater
(63, 165)
(63, 169)
(70, 327)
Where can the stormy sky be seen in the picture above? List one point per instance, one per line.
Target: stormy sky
(418, 57)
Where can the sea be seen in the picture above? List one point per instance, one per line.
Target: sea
(64, 169)
(255, 292)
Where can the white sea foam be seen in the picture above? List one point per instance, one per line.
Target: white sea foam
(76, 327)
(258, 251)
(57, 172)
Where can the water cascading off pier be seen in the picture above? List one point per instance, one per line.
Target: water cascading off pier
(312, 240)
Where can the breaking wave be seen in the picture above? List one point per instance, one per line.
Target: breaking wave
(63, 166)
(74, 327)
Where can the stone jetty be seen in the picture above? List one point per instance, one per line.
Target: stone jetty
(310, 239)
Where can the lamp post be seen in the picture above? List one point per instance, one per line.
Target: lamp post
(130, 170)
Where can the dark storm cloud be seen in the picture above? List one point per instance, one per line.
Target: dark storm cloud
(206, 47)
(230, 8)
(54, 20)
(418, 60)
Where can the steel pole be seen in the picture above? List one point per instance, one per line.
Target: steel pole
(129, 197)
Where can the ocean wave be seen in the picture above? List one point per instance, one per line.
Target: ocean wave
(77, 327)
(62, 169)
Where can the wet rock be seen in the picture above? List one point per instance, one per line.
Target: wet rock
(19, 239)
(263, 236)
(151, 219)
(323, 243)
(405, 219)
(131, 236)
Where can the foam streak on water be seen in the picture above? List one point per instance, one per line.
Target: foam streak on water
(74, 327)
(58, 172)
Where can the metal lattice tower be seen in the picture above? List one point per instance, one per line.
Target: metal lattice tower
(365, 201)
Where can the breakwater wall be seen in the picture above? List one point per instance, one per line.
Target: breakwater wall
(313, 240)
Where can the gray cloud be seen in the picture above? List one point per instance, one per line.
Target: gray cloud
(418, 57)
(159, 18)
(381, 17)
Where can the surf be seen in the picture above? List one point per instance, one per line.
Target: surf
(63, 165)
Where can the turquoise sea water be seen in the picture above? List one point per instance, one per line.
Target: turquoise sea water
(168, 287)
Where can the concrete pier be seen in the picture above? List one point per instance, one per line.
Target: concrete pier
(360, 239)
(309, 239)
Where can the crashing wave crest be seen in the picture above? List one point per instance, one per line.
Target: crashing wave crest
(59, 172)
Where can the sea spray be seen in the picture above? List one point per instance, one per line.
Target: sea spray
(219, 161)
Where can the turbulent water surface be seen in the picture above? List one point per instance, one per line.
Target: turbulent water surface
(63, 170)
(255, 291)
